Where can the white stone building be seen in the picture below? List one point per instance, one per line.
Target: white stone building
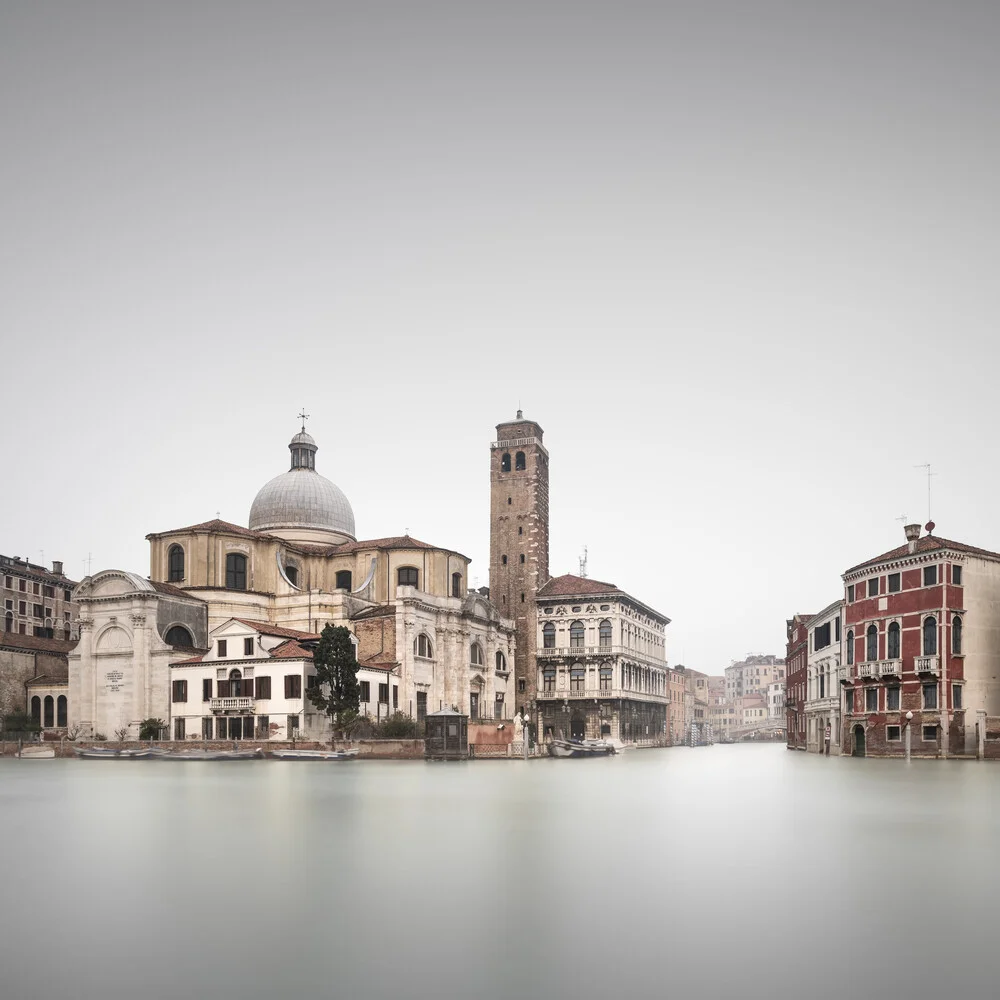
(823, 689)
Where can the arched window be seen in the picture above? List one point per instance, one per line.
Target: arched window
(292, 572)
(175, 564)
(505, 462)
(422, 647)
(850, 646)
(549, 679)
(501, 662)
(871, 650)
(607, 673)
(549, 636)
(605, 633)
(892, 644)
(956, 635)
(50, 712)
(930, 637)
(476, 655)
(343, 581)
(519, 461)
(61, 711)
(36, 710)
(236, 571)
(178, 635)
(407, 576)
(456, 584)
(576, 634)
(577, 676)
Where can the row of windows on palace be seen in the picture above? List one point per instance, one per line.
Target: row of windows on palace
(236, 573)
(47, 628)
(259, 688)
(891, 702)
(633, 678)
(929, 640)
(44, 590)
(894, 583)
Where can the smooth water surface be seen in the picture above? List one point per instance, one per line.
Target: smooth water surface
(742, 871)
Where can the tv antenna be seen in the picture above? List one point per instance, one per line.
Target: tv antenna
(927, 466)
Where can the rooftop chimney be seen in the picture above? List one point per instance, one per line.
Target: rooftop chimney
(912, 534)
(57, 567)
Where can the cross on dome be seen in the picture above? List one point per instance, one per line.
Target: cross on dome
(303, 416)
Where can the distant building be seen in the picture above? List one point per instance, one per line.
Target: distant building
(796, 665)
(676, 688)
(922, 635)
(37, 601)
(823, 697)
(753, 675)
(33, 678)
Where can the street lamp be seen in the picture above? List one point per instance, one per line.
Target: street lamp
(909, 718)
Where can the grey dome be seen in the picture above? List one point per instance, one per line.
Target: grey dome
(302, 498)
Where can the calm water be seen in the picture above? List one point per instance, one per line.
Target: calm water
(743, 871)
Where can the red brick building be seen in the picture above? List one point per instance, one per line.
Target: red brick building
(796, 679)
(922, 636)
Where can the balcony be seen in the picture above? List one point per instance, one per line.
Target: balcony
(602, 652)
(232, 704)
(602, 694)
(890, 668)
(869, 669)
(927, 665)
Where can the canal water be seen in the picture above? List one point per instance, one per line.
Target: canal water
(741, 871)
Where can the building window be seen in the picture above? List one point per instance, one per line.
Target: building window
(292, 725)
(522, 558)
(262, 688)
(343, 579)
(519, 462)
(422, 647)
(549, 679)
(223, 648)
(67, 595)
(501, 662)
(206, 727)
(22, 585)
(476, 655)
(365, 691)
(521, 685)
(821, 636)
(456, 583)
(248, 646)
(498, 706)
(236, 571)
(407, 576)
(505, 462)
(421, 706)
(894, 583)
(179, 729)
(293, 686)
(576, 633)
(956, 635)
(220, 728)
(35, 588)
(175, 564)
(850, 646)
(50, 712)
(520, 530)
(604, 633)
(892, 699)
(607, 673)
(850, 593)
(848, 701)
(956, 697)
(956, 575)
(503, 560)
(873, 587)
(383, 693)
(549, 636)
(21, 607)
(892, 734)
(892, 643)
(930, 695)
(836, 635)
(179, 691)
(522, 598)
(178, 635)
(577, 677)
(48, 592)
(206, 689)
(871, 643)
(474, 705)
(292, 572)
(871, 699)
(395, 696)
(930, 576)
(8, 621)
(39, 611)
(930, 637)
(929, 734)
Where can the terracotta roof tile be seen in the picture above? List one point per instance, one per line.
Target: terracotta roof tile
(216, 524)
(266, 628)
(291, 650)
(929, 543)
(194, 659)
(170, 590)
(569, 585)
(35, 643)
(26, 568)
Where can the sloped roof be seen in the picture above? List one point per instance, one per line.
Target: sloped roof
(291, 649)
(266, 628)
(35, 643)
(929, 543)
(569, 585)
(171, 591)
(216, 524)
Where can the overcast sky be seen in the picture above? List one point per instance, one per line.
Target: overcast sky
(738, 259)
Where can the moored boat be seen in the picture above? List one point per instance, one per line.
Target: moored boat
(314, 754)
(110, 753)
(161, 753)
(580, 748)
(36, 752)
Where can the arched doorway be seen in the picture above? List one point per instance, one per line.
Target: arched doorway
(859, 741)
(577, 727)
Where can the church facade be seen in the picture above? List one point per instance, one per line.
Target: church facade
(297, 566)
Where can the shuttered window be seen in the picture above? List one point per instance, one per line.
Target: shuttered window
(206, 689)
(263, 685)
(293, 686)
(180, 691)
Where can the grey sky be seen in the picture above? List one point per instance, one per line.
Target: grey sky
(738, 259)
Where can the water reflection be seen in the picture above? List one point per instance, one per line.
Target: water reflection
(742, 870)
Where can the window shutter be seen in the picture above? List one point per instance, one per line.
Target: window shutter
(206, 689)
(288, 685)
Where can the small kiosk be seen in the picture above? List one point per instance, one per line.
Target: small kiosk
(446, 735)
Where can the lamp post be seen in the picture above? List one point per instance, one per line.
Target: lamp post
(909, 717)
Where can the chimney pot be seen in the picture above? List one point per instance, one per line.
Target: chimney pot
(912, 532)
(57, 567)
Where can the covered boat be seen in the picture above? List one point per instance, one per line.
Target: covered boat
(314, 754)
(580, 748)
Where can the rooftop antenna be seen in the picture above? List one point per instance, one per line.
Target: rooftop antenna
(303, 416)
(88, 561)
(583, 563)
(927, 466)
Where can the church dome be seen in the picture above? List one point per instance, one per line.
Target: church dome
(301, 498)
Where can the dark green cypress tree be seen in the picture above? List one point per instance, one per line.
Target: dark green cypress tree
(336, 691)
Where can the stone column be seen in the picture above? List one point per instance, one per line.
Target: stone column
(83, 713)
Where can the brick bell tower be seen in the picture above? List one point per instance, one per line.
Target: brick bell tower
(519, 539)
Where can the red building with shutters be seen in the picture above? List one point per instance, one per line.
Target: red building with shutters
(796, 679)
(921, 636)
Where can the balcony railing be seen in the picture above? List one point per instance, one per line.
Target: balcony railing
(232, 704)
(868, 669)
(605, 694)
(608, 652)
(890, 668)
(927, 665)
